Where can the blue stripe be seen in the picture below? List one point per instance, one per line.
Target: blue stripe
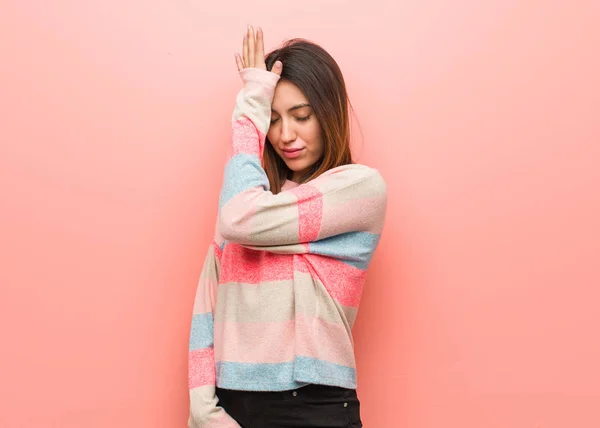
(312, 370)
(283, 376)
(256, 377)
(354, 248)
(242, 172)
(202, 331)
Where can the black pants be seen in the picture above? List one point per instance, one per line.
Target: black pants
(310, 406)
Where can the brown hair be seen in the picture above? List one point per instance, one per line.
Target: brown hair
(315, 72)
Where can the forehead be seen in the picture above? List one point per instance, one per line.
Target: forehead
(286, 95)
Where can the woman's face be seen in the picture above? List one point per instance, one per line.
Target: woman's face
(295, 133)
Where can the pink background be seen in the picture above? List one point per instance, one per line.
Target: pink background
(481, 308)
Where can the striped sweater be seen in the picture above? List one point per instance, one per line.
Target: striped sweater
(281, 282)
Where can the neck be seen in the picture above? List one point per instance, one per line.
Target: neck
(297, 176)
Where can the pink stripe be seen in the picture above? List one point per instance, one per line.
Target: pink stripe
(249, 266)
(246, 138)
(258, 342)
(358, 214)
(300, 264)
(281, 341)
(324, 340)
(310, 212)
(201, 368)
(205, 298)
(342, 281)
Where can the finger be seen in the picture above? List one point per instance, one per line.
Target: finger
(238, 62)
(251, 43)
(245, 49)
(259, 59)
(277, 68)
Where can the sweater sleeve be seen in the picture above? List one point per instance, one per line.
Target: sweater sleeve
(344, 205)
(204, 411)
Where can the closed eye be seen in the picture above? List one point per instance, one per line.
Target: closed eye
(300, 119)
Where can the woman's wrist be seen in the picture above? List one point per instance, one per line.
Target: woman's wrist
(259, 76)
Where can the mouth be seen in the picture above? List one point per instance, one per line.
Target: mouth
(292, 153)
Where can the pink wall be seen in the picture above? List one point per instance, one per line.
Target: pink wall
(481, 308)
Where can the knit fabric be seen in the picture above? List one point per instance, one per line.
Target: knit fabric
(282, 280)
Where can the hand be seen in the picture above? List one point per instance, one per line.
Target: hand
(254, 53)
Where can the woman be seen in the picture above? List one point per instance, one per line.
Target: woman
(271, 342)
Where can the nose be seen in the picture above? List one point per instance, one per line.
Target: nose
(288, 133)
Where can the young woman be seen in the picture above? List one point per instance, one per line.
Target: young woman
(298, 222)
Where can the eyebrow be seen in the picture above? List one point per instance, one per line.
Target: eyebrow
(296, 107)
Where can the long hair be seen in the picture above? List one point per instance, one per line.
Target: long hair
(315, 72)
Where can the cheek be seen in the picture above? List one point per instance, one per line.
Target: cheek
(316, 140)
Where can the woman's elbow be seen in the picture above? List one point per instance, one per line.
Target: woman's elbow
(231, 228)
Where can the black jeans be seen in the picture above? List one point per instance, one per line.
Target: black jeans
(310, 406)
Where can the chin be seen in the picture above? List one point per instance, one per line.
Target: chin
(298, 168)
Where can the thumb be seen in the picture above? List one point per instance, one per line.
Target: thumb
(277, 67)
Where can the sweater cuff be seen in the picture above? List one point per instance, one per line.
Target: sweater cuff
(259, 76)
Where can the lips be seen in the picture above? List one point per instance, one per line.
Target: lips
(292, 153)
